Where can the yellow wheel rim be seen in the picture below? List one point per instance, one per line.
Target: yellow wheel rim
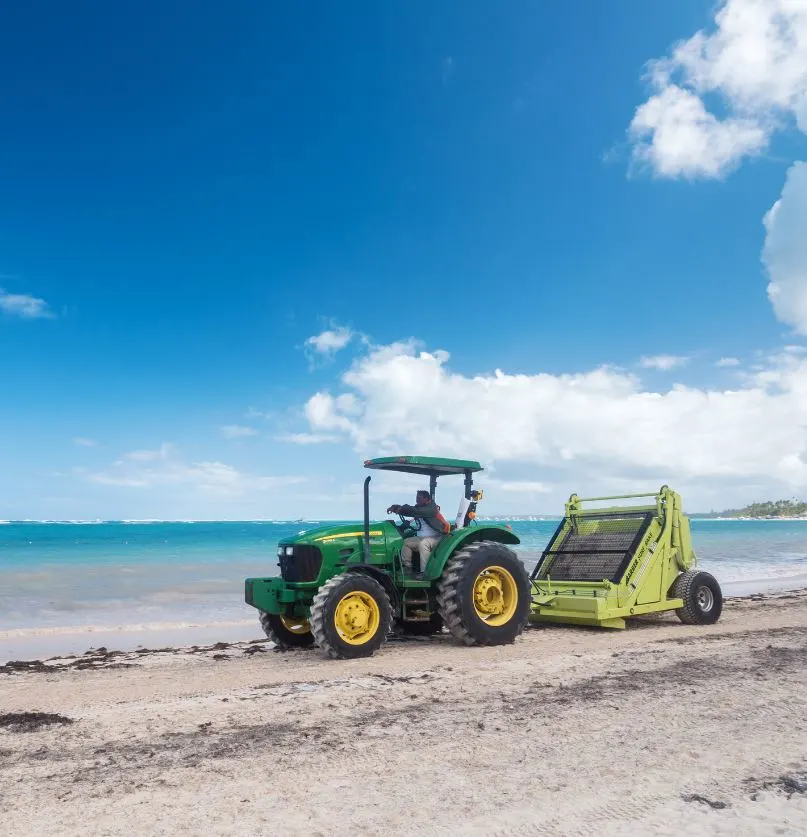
(495, 596)
(295, 625)
(357, 617)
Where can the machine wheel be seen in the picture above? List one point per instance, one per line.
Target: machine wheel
(434, 625)
(351, 616)
(484, 594)
(703, 599)
(287, 631)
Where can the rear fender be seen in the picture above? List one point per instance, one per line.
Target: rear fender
(460, 539)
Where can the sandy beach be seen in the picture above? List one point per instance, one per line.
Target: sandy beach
(659, 729)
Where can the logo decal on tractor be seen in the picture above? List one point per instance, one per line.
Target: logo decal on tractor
(329, 538)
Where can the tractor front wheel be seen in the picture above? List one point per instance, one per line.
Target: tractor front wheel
(351, 616)
(703, 598)
(287, 631)
(484, 594)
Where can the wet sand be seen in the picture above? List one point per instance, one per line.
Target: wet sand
(659, 729)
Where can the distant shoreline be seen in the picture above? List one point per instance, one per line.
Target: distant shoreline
(743, 517)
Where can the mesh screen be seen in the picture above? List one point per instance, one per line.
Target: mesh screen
(595, 547)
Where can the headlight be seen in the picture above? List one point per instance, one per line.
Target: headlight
(280, 552)
(289, 550)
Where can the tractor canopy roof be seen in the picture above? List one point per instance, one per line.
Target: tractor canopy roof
(426, 465)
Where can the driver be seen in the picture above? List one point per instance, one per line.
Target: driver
(430, 525)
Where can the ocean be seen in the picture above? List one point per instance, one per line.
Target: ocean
(157, 580)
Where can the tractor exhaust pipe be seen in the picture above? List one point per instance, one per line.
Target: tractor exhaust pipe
(366, 543)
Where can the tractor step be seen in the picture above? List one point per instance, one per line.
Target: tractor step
(416, 609)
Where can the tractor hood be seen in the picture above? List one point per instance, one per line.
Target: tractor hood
(350, 533)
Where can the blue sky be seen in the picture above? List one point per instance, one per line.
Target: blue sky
(191, 192)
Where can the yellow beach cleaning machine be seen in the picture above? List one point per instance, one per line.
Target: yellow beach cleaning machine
(606, 564)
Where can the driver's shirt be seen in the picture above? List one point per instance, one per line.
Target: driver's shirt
(426, 531)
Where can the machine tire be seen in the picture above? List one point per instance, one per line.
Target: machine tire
(463, 591)
(345, 603)
(433, 626)
(703, 598)
(282, 637)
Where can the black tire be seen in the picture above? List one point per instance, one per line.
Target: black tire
(703, 598)
(375, 619)
(282, 637)
(455, 595)
(434, 625)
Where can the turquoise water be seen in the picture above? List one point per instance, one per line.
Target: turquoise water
(72, 575)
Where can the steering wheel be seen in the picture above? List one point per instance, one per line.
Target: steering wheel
(403, 525)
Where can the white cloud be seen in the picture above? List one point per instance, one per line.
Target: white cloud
(237, 431)
(323, 411)
(728, 361)
(81, 442)
(597, 427)
(753, 65)
(164, 452)
(22, 305)
(307, 438)
(663, 362)
(785, 253)
(754, 62)
(675, 135)
(329, 342)
(165, 467)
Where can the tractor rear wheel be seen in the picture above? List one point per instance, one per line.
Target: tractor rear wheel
(287, 631)
(351, 616)
(484, 594)
(703, 598)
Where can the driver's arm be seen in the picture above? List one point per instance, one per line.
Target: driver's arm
(413, 511)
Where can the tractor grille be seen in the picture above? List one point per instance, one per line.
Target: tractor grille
(303, 565)
(594, 547)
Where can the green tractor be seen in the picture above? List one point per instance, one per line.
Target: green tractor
(343, 587)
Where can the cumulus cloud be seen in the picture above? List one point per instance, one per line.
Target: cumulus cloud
(728, 361)
(599, 426)
(754, 62)
(165, 467)
(752, 65)
(675, 135)
(327, 343)
(785, 253)
(663, 362)
(237, 431)
(24, 306)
